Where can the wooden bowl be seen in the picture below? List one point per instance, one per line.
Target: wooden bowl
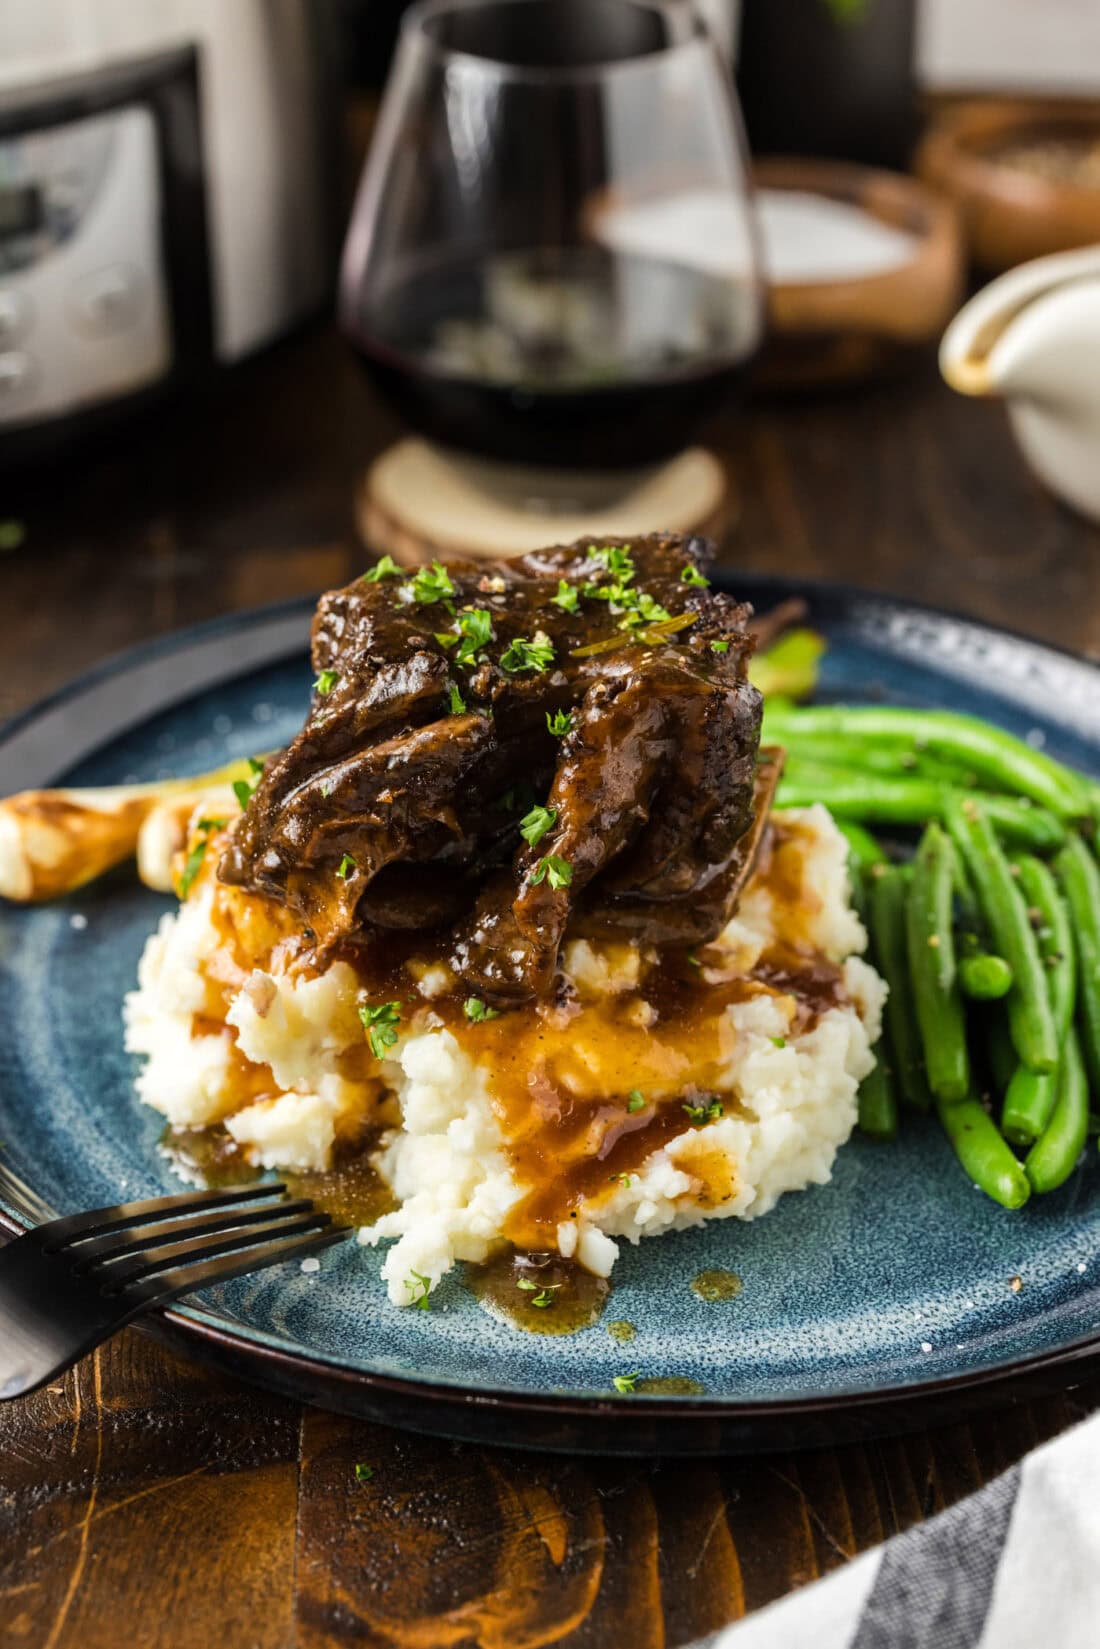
(835, 331)
(1010, 213)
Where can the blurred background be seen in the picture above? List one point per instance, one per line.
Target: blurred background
(285, 283)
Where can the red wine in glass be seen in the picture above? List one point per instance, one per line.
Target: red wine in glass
(552, 259)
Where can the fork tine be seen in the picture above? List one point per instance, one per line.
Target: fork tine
(115, 1277)
(169, 1285)
(74, 1227)
(111, 1245)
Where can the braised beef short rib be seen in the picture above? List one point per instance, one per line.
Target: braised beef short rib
(603, 683)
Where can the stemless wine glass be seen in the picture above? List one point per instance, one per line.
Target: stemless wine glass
(552, 257)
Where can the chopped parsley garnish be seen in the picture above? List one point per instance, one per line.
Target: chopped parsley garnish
(386, 568)
(700, 1115)
(637, 607)
(625, 1180)
(419, 1288)
(325, 682)
(635, 1101)
(192, 867)
(558, 872)
(616, 594)
(566, 597)
(616, 558)
(347, 867)
(779, 1041)
(641, 608)
(534, 825)
(542, 1297)
(692, 960)
(205, 829)
(522, 654)
(445, 639)
(363, 1474)
(475, 626)
(243, 788)
(432, 584)
(719, 646)
(560, 723)
(694, 578)
(477, 1011)
(624, 1383)
(457, 702)
(327, 787)
(380, 1024)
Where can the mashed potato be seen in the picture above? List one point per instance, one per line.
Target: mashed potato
(628, 1107)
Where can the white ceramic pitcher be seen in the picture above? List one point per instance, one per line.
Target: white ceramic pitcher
(1033, 336)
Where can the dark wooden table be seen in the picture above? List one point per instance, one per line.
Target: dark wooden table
(143, 1500)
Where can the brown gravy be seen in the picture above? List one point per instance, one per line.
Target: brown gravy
(716, 1285)
(540, 1293)
(352, 1190)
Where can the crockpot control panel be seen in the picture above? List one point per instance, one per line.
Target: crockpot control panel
(84, 308)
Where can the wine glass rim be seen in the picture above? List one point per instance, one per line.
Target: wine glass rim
(422, 12)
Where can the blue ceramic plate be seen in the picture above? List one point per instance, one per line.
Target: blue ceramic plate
(878, 1301)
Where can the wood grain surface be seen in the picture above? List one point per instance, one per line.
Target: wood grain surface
(144, 1501)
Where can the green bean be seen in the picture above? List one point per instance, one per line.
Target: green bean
(1019, 823)
(1030, 1098)
(863, 850)
(878, 1108)
(1054, 934)
(932, 968)
(867, 798)
(970, 924)
(866, 756)
(889, 894)
(1030, 1019)
(1052, 1159)
(872, 799)
(1079, 876)
(985, 976)
(983, 1153)
(1001, 760)
(1029, 1104)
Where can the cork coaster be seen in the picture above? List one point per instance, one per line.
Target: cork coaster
(416, 502)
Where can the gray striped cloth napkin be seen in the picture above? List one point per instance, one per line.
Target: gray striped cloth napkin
(1016, 1566)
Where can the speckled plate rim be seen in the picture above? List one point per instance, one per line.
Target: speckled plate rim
(127, 689)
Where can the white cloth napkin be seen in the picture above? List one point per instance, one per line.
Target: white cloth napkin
(1015, 1566)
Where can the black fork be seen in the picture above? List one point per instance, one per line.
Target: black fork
(70, 1284)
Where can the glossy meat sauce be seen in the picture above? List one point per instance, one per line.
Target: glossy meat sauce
(603, 685)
